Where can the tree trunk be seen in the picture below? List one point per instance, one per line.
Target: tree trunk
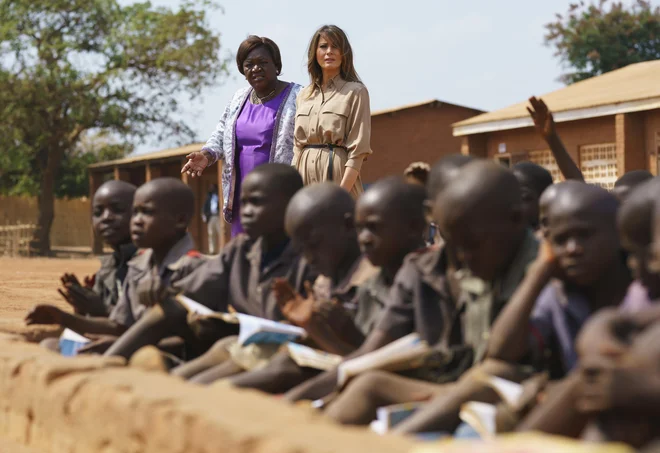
(46, 202)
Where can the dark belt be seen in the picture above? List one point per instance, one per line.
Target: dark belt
(331, 158)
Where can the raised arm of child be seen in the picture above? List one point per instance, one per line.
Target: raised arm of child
(545, 125)
(51, 315)
(511, 330)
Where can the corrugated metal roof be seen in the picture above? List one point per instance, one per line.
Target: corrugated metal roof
(635, 82)
(156, 155)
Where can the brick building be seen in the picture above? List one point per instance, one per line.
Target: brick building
(610, 125)
(416, 132)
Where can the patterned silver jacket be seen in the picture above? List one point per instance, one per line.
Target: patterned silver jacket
(222, 143)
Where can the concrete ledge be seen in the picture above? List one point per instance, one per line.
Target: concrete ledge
(52, 404)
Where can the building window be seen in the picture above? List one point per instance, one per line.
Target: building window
(599, 164)
(545, 159)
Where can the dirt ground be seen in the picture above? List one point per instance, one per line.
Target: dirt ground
(25, 282)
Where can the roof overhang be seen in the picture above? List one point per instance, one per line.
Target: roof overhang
(560, 117)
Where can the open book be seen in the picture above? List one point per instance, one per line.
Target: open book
(71, 342)
(481, 417)
(252, 329)
(403, 354)
(387, 417)
(312, 358)
(509, 392)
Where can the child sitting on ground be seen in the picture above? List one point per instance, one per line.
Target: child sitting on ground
(582, 237)
(240, 277)
(162, 210)
(320, 220)
(619, 376)
(388, 219)
(480, 211)
(545, 317)
(112, 206)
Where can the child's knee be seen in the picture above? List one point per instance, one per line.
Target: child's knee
(369, 382)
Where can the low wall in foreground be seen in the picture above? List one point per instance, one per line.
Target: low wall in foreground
(50, 404)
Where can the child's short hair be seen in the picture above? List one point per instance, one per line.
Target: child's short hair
(406, 201)
(442, 172)
(419, 171)
(539, 177)
(281, 178)
(173, 192)
(636, 213)
(633, 178)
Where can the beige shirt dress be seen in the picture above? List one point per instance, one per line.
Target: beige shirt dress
(340, 115)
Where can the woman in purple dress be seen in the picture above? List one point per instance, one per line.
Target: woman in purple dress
(255, 128)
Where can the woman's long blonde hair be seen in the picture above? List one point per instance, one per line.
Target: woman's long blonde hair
(338, 38)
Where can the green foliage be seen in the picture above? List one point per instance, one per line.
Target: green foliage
(72, 66)
(600, 37)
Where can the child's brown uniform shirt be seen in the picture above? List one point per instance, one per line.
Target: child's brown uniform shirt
(420, 300)
(109, 279)
(179, 262)
(239, 277)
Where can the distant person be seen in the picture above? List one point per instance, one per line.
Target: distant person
(333, 123)
(255, 128)
(211, 217)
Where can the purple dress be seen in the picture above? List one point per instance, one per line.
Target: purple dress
(254, 139)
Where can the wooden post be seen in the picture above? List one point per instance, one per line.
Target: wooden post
(121, 174)
(152, 171)
(95, 181)
(195, 223)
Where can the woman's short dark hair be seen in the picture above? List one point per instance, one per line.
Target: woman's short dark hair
(254, 42)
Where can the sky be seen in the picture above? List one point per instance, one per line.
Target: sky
(479, 53)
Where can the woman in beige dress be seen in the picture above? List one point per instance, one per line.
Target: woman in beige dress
(332, 131)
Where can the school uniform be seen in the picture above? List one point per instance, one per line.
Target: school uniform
(109, 279)
(371, 300)
(346, 294)
(179, 262)
(349, 307)
(242, 275)
(559, 314)
(421, 301)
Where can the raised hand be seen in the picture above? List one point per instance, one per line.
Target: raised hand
(82, 298)
(44, 314)
(196, 164)
(542, 116)
(294, 307)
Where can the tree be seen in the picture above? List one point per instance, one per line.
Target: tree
(68, 67)
(600, 37)
(18, 177)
